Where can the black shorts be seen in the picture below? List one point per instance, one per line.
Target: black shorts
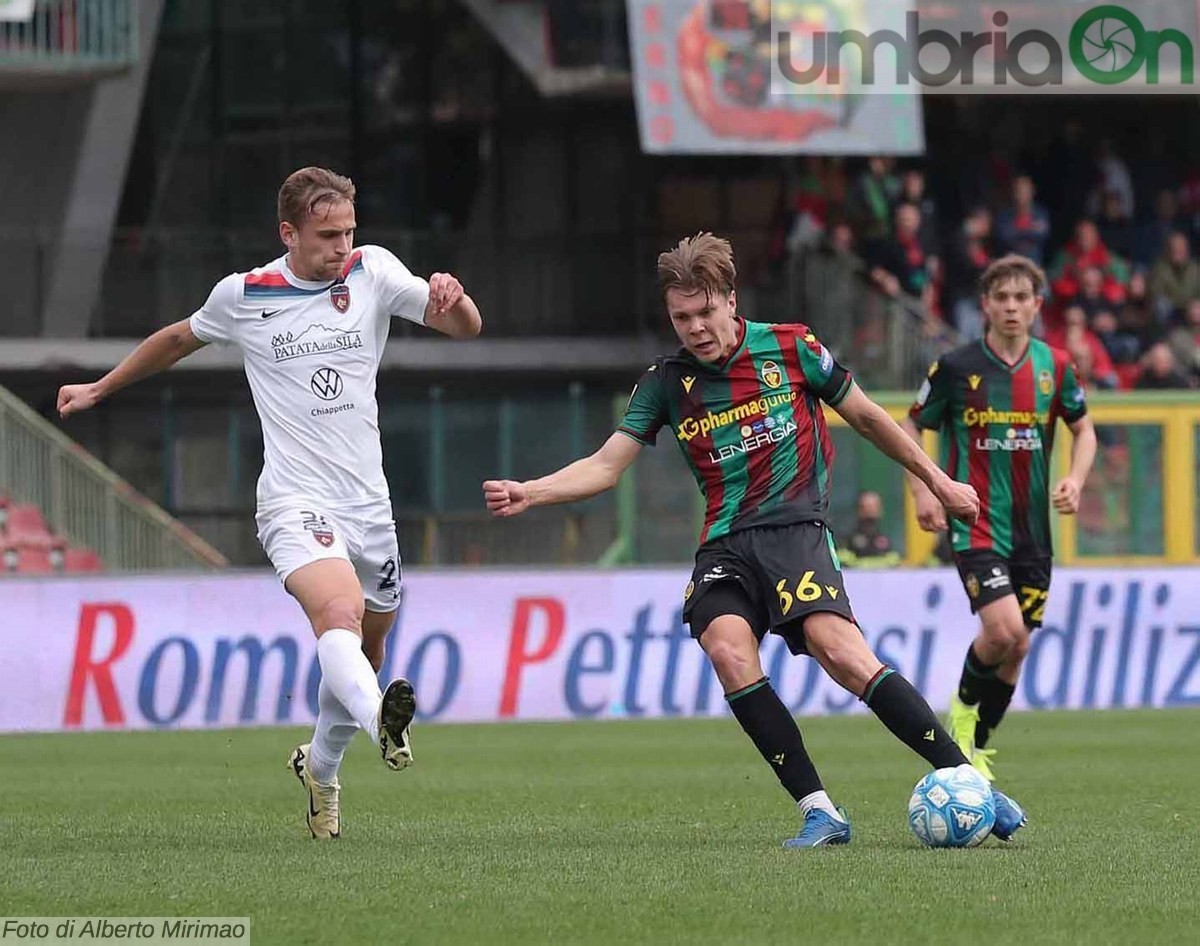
(773, 576)
(988, 577)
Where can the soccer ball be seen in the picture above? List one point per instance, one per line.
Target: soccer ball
(952, 807)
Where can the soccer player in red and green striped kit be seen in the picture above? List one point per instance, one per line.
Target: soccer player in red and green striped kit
(997, 402)
(742, 402)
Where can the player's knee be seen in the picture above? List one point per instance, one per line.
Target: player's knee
(1019, 649)
(343, 612)
(732, 660)
(725, 655)
(1005, 634)
(845, 656)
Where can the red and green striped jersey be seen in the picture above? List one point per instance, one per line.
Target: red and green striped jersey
(751, 429)
(997, 422)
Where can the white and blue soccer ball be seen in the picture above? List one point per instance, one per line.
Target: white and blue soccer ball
(952, 807)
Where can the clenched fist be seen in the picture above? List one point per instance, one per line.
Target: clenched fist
(73, 398)
(505, 497)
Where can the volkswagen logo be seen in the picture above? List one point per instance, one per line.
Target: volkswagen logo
(326, 384)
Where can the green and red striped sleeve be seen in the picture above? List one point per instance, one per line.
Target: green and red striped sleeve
(1072, 397)
(646, 411)
(933, 399)
(825, 377)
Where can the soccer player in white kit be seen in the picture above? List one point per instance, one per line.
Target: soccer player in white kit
(311, 326)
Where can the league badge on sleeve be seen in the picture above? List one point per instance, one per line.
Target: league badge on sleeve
(339, 295)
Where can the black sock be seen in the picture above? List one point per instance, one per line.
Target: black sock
(774, 732)
(976, 675)
(992, 709)
(904, 711)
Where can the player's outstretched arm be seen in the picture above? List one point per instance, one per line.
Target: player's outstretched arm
(157, 353)
(579, 480)
(875, 424)
(450, 310)
(1083, 455)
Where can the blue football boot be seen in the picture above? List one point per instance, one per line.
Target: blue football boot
(1009, 816)
(821, 829)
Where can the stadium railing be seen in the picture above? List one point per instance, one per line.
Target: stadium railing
(87, 502)
(527, 287)
(64, 37)
(889, 341)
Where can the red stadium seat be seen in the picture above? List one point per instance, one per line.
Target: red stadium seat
(34, 561)
(27, 528)
(81, 560)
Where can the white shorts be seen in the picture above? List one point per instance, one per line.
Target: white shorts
(297, 532)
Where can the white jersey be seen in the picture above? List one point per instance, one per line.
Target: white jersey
(312, 352)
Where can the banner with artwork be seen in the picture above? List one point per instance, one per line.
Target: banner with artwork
(706, 82)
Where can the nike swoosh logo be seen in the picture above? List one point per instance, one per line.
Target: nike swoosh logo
(267, 315)
(312, 809)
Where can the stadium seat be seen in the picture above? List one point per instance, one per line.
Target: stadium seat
(34, 561)
(81, 560)
(27, 528)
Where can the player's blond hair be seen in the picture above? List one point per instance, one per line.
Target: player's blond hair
(1012, 266)
(304, 191)
(703, 262)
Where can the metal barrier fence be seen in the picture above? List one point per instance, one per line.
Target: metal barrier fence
(86, 502)
(887, 341)
(1139, 505)
(67, 36)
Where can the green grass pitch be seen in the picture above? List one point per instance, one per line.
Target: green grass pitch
(609, 833)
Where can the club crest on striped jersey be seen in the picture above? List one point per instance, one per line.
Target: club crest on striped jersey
(973, 380)
(339, 295)
(688, 381)
(1046, 383)
(771, 375)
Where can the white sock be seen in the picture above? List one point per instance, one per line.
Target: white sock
(350, 677)
(335, 728)
(819, 800)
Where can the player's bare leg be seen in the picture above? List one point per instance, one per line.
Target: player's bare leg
(375, 628)
(733, 649)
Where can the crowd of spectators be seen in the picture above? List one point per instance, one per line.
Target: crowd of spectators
(1124, 279)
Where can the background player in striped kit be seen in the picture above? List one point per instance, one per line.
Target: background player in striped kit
(997, 402)
(742, 400)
